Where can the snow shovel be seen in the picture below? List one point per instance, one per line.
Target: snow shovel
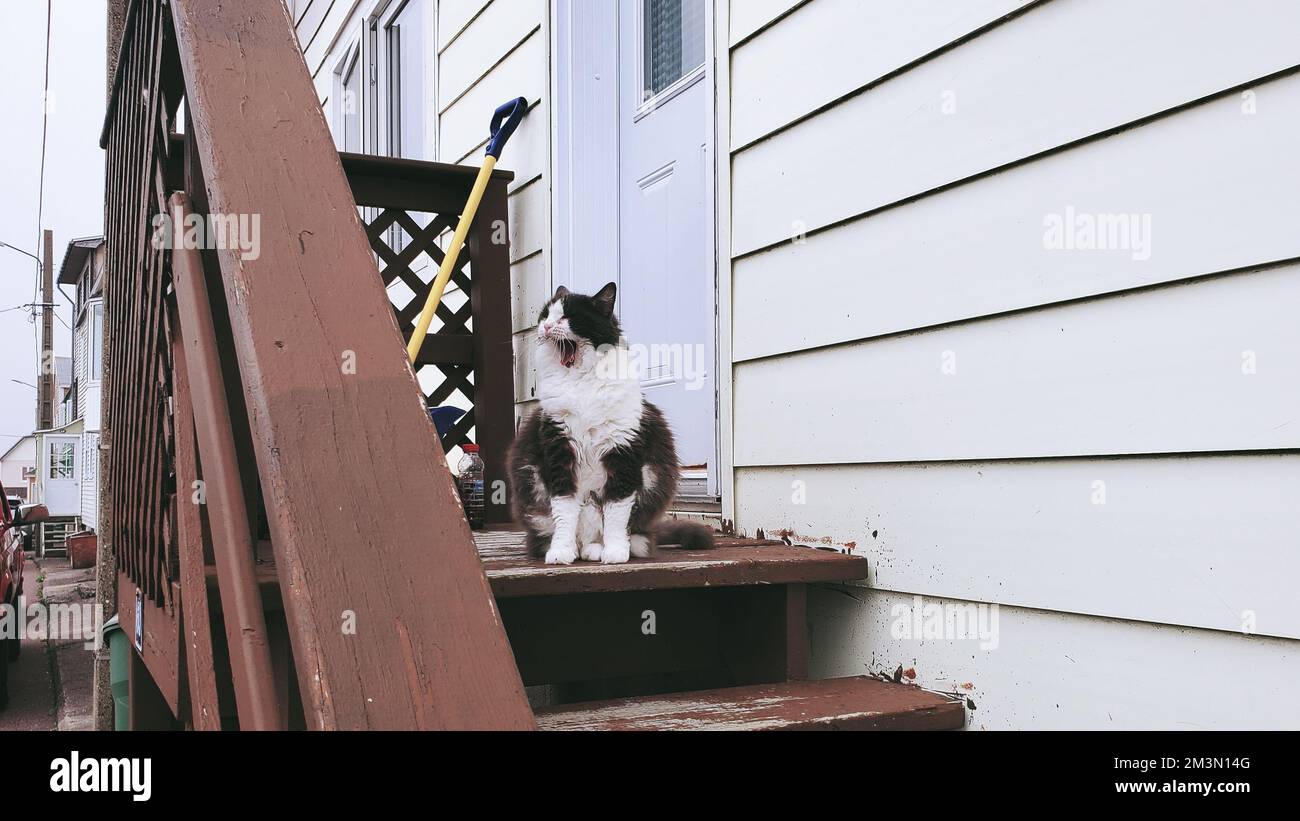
(504, 122)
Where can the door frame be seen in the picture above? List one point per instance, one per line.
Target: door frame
(716, 42)
(724, 375)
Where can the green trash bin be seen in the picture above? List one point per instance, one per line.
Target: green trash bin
(118, 670)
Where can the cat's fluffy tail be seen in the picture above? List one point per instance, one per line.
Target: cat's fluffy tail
(690, 535)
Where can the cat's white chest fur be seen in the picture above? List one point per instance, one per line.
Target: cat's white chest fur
(598, 401)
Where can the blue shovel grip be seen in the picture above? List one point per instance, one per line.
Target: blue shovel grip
(504, 122)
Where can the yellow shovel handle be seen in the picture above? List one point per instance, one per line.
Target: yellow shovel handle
(449, 261)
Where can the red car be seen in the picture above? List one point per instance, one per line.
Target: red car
(12, 537)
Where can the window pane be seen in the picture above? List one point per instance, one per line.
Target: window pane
(61, 456)
(96, 340)
(406, 81)
(673, 42)
(351, 107)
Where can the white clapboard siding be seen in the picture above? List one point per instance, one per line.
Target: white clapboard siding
(1174, 540)
(464, 122)
(90, 480)
(308, 19)
(529, 284)
(455, 15)
(526, 155)
(502, 26)
(1156, 371)
(857, 42)
(529, 220)
(979, 248)
(525, 372)
(1057, 671)
(748, 16)
(1082, 67)
(317, 47)
(490, 53)
(81, 362)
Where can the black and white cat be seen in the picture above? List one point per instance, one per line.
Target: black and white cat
(594, 467)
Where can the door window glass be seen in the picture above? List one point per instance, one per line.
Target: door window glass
(672, 42)
(62, 456)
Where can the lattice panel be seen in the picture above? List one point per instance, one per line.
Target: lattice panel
(138, 469)
(453, 382)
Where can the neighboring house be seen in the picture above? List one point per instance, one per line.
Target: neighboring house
(70, 453)
(58, 450)
(982, 290)
(18, 467)
(65, 405)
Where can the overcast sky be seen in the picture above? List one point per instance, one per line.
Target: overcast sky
(74, 174)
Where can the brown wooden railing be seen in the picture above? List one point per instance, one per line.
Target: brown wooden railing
(261, 417)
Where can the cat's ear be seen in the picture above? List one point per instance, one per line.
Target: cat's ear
(560, 293)
(604, 299)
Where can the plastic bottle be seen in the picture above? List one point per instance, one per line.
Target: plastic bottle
(470, 485)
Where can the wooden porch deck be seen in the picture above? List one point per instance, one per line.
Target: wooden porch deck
(733, 562)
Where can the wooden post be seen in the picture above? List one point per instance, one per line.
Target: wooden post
(494, 384)
(202, 699)
(241, 603)
(46, 381)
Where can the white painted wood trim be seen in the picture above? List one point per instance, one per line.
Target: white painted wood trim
(722, 250)
(548, 253)
(553, 149)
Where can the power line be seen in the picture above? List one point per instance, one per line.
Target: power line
(26, 307)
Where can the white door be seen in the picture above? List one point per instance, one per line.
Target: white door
(635, 198)
(62, 477)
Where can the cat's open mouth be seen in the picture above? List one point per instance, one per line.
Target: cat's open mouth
(568, 352)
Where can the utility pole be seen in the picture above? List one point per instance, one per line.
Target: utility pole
(45, 393)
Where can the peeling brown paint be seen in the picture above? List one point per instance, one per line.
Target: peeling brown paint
(859, 703)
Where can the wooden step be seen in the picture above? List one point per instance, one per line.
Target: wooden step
(733, 562)
(858, 703)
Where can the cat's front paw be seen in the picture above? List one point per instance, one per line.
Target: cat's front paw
(562, 553)
(592, 552)
(615, 554)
